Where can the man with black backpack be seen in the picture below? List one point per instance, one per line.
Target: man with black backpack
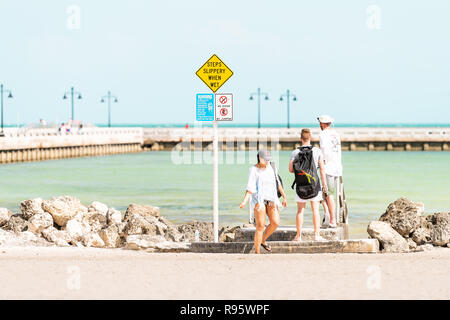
(304, 163)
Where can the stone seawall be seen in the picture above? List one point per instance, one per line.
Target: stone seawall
(65, 221)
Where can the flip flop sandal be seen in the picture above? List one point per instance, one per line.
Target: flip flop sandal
(267, 247)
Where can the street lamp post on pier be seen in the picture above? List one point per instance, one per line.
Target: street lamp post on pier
(72, 93)
(288, 96)
(109, 97)
(259, 94)
(2, 91)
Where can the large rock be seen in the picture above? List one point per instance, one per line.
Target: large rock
(169, 246)
(110, 236)
(58, 237)
(76, 229)
(28, 236)
(39, 222)
(440, 233)
(63, 209)
(113, 216)
(205, 229)
(171, 232)
(5, 215)
(137, 224)
(424, 247)
(31, 207)
(92, 239)
(390, 240)
(229, 237)
(411, 244)
(122, 227)
(403, 215)
(21, 239)
(17, 223)
(95, 220)
(422, 234)
(227, 233)
(142, 210)
(136, 242)
(98, 207)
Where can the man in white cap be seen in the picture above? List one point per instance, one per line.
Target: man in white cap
(330, 145)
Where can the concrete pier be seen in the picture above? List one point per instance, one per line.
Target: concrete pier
(352, 139)
(20, 145)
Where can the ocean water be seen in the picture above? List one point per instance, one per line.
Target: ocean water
(184, 191)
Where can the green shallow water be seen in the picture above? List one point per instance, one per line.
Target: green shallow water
(184, 191)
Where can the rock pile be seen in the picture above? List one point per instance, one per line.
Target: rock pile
(65, 221)
(404, 228)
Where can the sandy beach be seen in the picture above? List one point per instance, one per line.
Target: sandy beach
(88, 273)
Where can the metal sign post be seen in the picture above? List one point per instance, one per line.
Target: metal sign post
(215, 183)
(214, 73)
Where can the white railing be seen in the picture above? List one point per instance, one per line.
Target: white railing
(347, 134)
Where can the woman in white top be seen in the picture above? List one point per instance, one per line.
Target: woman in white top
(262, 188)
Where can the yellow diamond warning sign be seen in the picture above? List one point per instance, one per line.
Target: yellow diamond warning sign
(214, 73)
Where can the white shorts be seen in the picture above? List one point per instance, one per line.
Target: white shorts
(316, 198)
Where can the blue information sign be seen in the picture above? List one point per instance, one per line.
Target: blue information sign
(205, 107)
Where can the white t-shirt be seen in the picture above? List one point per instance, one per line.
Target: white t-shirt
(330, 144)
(317, 155)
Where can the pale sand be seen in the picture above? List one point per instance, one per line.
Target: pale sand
(43, 273)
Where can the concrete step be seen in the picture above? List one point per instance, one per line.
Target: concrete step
(287, 233)
(335, 246)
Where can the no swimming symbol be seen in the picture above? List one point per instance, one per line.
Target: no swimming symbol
(223, 99)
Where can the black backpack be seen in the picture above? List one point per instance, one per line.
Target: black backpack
(306, 178)
(277, 178)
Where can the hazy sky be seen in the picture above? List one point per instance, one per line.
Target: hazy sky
(329, 53)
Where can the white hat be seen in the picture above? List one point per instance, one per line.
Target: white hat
(325, 119)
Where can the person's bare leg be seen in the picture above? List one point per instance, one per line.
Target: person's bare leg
(325, 212)
(330, 204)
(274, 221)
(316, 217)
(299, 220)
(260, 219)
